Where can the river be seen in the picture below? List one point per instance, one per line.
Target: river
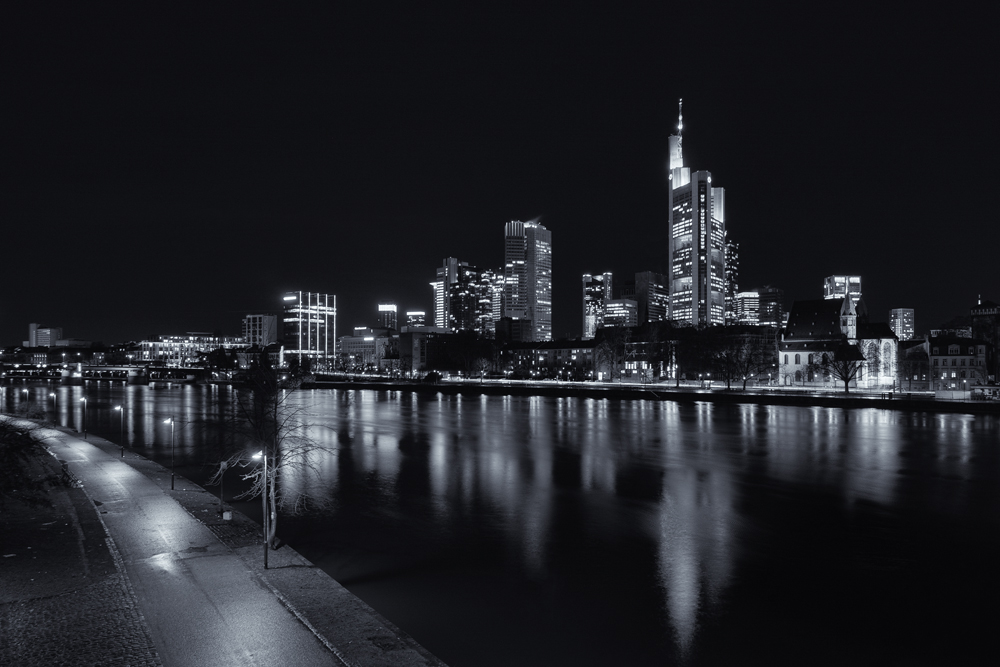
(539, 531)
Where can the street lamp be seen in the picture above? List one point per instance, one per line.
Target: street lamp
(84, 401)
(171, 422)
(121, 427)
(262, 455)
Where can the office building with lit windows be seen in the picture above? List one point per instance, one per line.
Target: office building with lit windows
(310, 327)
(901, 323)
(621, 313)
(696, 241)
(260, 329)
(387, 316)
(653, 296)
(732, 254)
(747, 307)
(528, 279)
(838, 287)
(596, 293)
(447, 275)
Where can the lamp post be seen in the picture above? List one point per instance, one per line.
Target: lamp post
(262, 455)
(171, 422)
(53, 397)
(84, 401)
(121, 427)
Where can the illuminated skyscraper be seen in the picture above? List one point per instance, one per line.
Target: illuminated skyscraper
(732, 280)
(447, 275)
(901, 323)
(596, 293)
(528, 278)
(697, 238)
(387, 316)
(837, 287)
(310, 321)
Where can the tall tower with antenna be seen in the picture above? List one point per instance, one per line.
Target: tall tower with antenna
(696, 239)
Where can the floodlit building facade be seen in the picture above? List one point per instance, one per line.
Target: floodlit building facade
(528, 278)
(901, 322)
(838, 287)
(310, 322)
(596, 293)
(696, 241)
(816, 329)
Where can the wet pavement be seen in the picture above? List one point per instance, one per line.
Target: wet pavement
(169, 582)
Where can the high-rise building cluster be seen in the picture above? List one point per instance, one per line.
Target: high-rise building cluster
(697, 288)
(515, 300)
(701, 286)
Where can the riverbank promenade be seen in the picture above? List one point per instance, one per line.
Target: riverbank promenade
(122, 570)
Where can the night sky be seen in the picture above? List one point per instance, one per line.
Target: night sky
(168, 170)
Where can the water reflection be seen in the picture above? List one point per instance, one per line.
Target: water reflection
(558, 510)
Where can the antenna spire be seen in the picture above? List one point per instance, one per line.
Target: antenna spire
(680, 116)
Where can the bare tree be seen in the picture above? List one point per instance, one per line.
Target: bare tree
(846, 363)
(610, 352)
(268, 429)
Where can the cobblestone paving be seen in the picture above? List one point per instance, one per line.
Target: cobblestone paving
(64, 598)
(97, 624)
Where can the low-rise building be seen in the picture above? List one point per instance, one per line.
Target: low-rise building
(556, 359)
(958, 363)
(367, 349)
(816, 329)
(186, 350)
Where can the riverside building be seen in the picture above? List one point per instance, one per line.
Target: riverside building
(310, 321)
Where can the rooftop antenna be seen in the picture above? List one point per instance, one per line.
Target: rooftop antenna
(680, 120)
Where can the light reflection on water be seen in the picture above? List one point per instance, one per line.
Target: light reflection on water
(599, 530)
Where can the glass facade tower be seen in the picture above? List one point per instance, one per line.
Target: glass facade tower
(696, 242)
(528, 277)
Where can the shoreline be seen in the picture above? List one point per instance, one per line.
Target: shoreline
(664, 392)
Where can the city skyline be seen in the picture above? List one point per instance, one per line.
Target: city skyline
(186, 174)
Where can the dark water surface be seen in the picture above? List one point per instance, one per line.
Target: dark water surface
(540, 531)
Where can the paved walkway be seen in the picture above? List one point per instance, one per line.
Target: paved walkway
(197, 585)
